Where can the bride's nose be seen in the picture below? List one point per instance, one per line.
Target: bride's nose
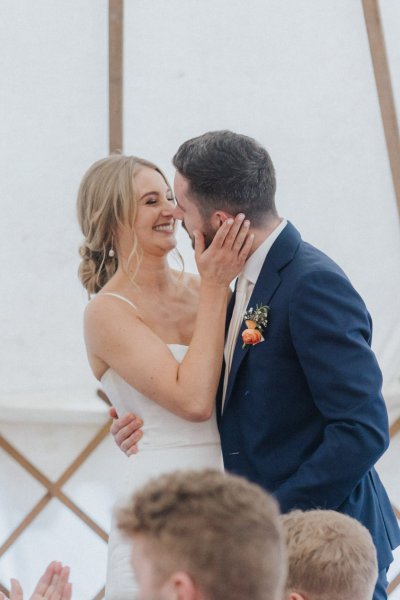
(167, 208)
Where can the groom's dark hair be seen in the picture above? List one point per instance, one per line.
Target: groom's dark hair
(228, 171)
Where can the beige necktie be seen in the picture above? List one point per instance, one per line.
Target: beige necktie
(241, 299)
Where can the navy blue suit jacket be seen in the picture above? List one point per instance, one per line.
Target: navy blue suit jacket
(304, 416)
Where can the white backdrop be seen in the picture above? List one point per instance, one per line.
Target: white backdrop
(297, 76)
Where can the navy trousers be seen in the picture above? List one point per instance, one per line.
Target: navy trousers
(380, 592)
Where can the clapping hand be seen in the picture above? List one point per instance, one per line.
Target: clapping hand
(53, 585)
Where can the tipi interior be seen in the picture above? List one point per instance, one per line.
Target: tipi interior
(318, 83)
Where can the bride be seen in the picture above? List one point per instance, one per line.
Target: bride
(154, 336)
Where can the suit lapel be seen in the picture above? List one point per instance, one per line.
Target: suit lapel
(262, 294)
(281, 253)
(229, 312)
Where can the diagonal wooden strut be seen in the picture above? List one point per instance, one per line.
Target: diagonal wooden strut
(53, 488)
(394, 584)
(394, 428)
(384, 88)
(54, 491)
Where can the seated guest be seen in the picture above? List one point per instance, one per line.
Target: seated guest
(330, 557)
(205, 535)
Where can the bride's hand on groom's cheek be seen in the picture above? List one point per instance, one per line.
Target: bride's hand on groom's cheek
(224, 258)
(126, 431)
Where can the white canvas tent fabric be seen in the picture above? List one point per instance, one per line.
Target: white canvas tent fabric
(299, 79)
(296, 76)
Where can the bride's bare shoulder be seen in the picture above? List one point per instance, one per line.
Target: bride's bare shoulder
(102, 307)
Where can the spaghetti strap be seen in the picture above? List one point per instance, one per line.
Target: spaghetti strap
(120, 297)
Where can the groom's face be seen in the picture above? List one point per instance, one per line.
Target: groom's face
(186, 211)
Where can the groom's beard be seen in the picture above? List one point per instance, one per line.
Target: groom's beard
(208, 233)
(208, 237)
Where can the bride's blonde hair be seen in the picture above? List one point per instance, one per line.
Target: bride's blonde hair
(107, 198)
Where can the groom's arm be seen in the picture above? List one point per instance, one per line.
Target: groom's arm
(331, 333)
(127, 431)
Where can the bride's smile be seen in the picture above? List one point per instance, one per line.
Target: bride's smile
(168, 228)
(154, 224)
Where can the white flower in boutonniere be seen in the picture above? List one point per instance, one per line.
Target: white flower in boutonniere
(256, 320)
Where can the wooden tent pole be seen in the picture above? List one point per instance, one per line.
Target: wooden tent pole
(391, 128)
(115, 73)
(390, 125)
(384, 87)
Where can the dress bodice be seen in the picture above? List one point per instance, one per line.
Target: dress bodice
(161, 427)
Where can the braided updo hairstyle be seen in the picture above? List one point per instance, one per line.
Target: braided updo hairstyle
(106, 198)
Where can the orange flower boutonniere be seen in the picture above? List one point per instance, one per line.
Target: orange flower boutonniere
(256, 320)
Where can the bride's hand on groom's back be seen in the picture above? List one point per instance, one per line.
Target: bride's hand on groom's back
(127, 431)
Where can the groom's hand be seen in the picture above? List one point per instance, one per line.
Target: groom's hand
(126, 431)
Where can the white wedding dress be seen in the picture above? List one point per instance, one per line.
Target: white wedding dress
(169, 443)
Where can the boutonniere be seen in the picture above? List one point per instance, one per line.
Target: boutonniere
(256, 320)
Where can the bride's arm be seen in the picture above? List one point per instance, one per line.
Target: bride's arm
(118, 337)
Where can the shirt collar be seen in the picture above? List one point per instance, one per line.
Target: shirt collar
(254, 263)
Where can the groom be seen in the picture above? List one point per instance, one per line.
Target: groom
(300, 412)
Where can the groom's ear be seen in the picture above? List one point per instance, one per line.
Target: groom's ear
(219, 217)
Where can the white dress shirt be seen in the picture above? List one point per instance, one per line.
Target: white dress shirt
(253, 265)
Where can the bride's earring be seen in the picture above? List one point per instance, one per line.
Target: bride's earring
(111, 252)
